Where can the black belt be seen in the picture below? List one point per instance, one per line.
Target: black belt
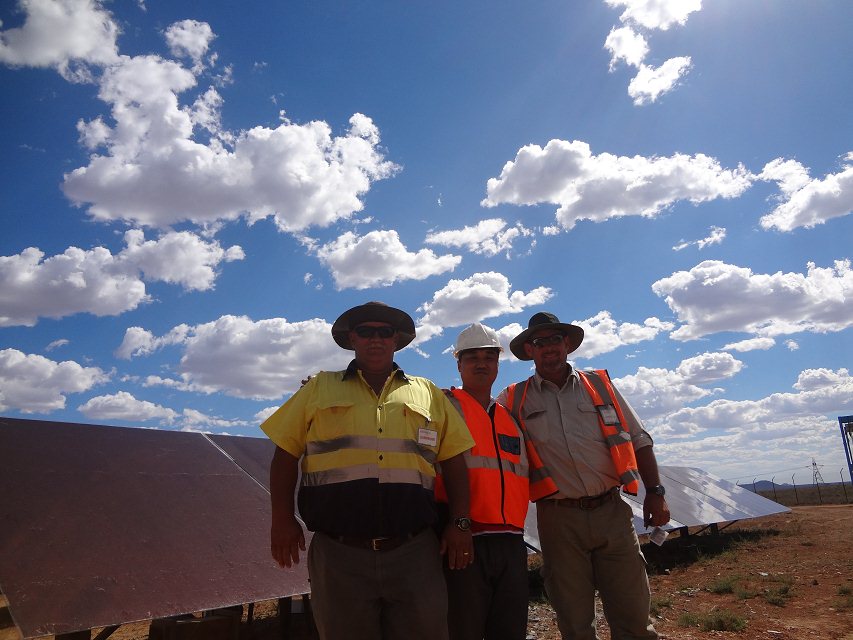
(588, 503)
(376, 544)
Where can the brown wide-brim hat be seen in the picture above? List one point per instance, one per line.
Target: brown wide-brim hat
(540, 321)
(374, 312)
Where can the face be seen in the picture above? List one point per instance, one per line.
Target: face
(549, 349)
(478, 368)
(374, 343)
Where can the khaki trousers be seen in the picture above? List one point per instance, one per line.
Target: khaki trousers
(359, 594)
(584, 551)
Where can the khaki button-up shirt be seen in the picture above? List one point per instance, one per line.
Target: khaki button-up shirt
(563, 424)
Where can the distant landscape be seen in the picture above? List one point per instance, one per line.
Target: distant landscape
(804, 494)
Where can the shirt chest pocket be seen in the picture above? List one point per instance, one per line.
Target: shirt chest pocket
(333, 419)
(536, 422)
(419, 426)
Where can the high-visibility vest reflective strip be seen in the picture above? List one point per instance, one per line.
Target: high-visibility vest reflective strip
(598, 385)
(541, 483)
(497, 478)
(363, 471)
(372, 443)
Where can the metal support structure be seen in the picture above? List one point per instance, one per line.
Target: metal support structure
(846, 425)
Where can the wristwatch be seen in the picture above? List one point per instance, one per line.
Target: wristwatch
(658, 489)
(463, 523)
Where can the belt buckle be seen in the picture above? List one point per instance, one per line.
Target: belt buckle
(376, 544)
(586, 503)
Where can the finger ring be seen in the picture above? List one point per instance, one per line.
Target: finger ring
(465, 553)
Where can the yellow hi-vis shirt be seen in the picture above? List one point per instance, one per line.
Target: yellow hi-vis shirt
(367, 461)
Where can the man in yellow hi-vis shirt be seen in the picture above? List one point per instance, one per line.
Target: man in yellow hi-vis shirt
(368, 438)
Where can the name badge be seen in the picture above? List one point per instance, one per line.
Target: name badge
(427, 437)
(608, 414)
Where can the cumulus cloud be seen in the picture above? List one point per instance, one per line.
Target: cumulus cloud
(626, 45)
(378, 258)
(140, 342)
(716, 236)
(189, 38)
(124, 406)
(474, 299)
(152, 167)
(488, 237)
(100, 283)
(650, 83)
(714, 296)
(806, 202)
(68, 35)
(600, 187)
(656, 392)
(34, 384)
(751, 344)
(602, 334)
(656, 14)
(240, 357)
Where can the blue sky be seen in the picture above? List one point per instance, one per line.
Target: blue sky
(191, 193)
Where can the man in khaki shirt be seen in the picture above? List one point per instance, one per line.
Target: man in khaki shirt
(585, 529)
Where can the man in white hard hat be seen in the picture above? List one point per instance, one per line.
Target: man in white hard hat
(488, 599)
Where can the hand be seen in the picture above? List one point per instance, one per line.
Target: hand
(286, 539)
(458, 546)
(655, 510)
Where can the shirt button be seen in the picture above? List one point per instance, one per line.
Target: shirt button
(380, 429)
(380, 457)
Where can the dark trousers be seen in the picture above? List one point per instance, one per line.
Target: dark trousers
(359, 594)
(488, 599)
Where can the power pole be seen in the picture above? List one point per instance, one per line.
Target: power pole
(816, 472)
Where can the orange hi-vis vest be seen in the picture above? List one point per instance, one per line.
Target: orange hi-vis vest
(611, 419)
(497, 465)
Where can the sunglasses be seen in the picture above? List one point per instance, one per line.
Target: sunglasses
(369, 332)
(544, 341)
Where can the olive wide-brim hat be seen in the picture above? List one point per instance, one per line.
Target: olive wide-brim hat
(373, 312)
(540, 321)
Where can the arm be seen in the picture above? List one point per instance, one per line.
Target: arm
(655, 509)
(458, 545)
(286, 535)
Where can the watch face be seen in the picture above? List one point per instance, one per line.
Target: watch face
(463, 524)
(659, 490)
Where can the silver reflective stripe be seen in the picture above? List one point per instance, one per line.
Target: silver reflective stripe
(485, 462)
(537, 475)
(629, 476)
(372, 443)
(364, 471)
(620, 438)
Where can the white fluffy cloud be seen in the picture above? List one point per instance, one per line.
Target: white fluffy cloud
(153, 171)
(626, 45)
(488, 237)
(806, 202)
(68, 35)
(603, 334)
(599, 187)
(378, 258)
(98, 282)
(714, 296)
(650, 83)
(237, 356)
(751, 344)
(482, 296)
(34, 384)
(123, 406)
(656, 14)
(189, 38)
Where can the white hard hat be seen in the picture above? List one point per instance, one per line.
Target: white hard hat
(477, 336)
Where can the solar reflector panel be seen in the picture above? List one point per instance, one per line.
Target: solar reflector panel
(253, 455)
(109, 525)
(695, 498)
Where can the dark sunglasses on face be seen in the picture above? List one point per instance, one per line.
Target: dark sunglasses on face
(369, 332)
(547, 340)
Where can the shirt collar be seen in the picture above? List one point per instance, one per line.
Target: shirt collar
(538, 380)
(352, 370)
